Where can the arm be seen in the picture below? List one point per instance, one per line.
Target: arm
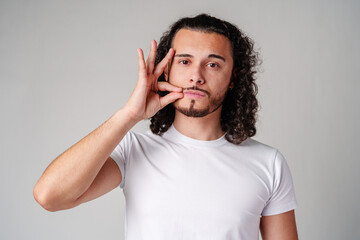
(70, 175)
(85, 171)
(279, 227)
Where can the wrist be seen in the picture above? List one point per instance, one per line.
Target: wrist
(128, 115)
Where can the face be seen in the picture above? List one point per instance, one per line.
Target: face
(202, 66)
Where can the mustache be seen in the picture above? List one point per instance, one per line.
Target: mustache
(197, 89)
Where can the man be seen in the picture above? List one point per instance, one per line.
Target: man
(198, 174)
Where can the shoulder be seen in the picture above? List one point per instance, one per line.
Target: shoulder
(145, 138)
(255, 149)
(256, 145)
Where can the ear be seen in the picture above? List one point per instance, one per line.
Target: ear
(232, 84)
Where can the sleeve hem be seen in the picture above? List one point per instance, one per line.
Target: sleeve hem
(288, 207)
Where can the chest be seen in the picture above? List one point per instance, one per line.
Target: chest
(206, 185)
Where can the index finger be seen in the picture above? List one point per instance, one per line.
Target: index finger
(165, 86)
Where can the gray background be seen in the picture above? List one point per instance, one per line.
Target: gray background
(67, 66)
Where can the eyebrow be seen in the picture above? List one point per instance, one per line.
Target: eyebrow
(191, 56)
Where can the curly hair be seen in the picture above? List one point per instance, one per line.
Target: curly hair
(238, 114)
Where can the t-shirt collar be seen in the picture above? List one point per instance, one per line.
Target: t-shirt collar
(172, 134)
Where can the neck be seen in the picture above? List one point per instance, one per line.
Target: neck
(201, 128)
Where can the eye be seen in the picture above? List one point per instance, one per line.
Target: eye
(184, 61)
(213, 65)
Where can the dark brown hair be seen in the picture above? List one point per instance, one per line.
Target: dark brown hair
(238, 114)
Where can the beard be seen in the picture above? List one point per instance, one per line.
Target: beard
(192, 111)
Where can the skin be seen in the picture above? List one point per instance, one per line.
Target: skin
(203, 61)
(280, 226)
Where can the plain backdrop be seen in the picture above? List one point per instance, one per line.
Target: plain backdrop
(67, 66)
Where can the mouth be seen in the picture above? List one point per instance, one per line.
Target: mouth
(194, 94)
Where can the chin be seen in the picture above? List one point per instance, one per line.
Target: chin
(195, 113)
(188, 108)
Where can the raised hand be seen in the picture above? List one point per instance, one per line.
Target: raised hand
(145, 101)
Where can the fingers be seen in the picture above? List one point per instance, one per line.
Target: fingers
(141, 62)
(165, 86)
(161, 66)
(149, 73)
(149, 66)
(175, 93)
(169, 98)
(150, 62)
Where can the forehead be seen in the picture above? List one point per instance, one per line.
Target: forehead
(193, 41)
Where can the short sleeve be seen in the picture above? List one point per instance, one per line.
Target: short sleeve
(120, 155)
(282, 197)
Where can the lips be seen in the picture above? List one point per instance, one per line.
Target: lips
(194, 94)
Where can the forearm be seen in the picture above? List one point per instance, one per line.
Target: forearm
(71, 173)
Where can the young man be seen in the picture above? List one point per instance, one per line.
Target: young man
(198, 174)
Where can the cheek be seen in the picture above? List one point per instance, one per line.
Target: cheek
(175, 77)
(220, 86)
(221, 77)
(220, 89)
(220, 94)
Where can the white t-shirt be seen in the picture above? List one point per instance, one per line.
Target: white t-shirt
(177, 187)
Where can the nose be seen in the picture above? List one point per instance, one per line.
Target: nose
(199, 81)
(196, 77)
